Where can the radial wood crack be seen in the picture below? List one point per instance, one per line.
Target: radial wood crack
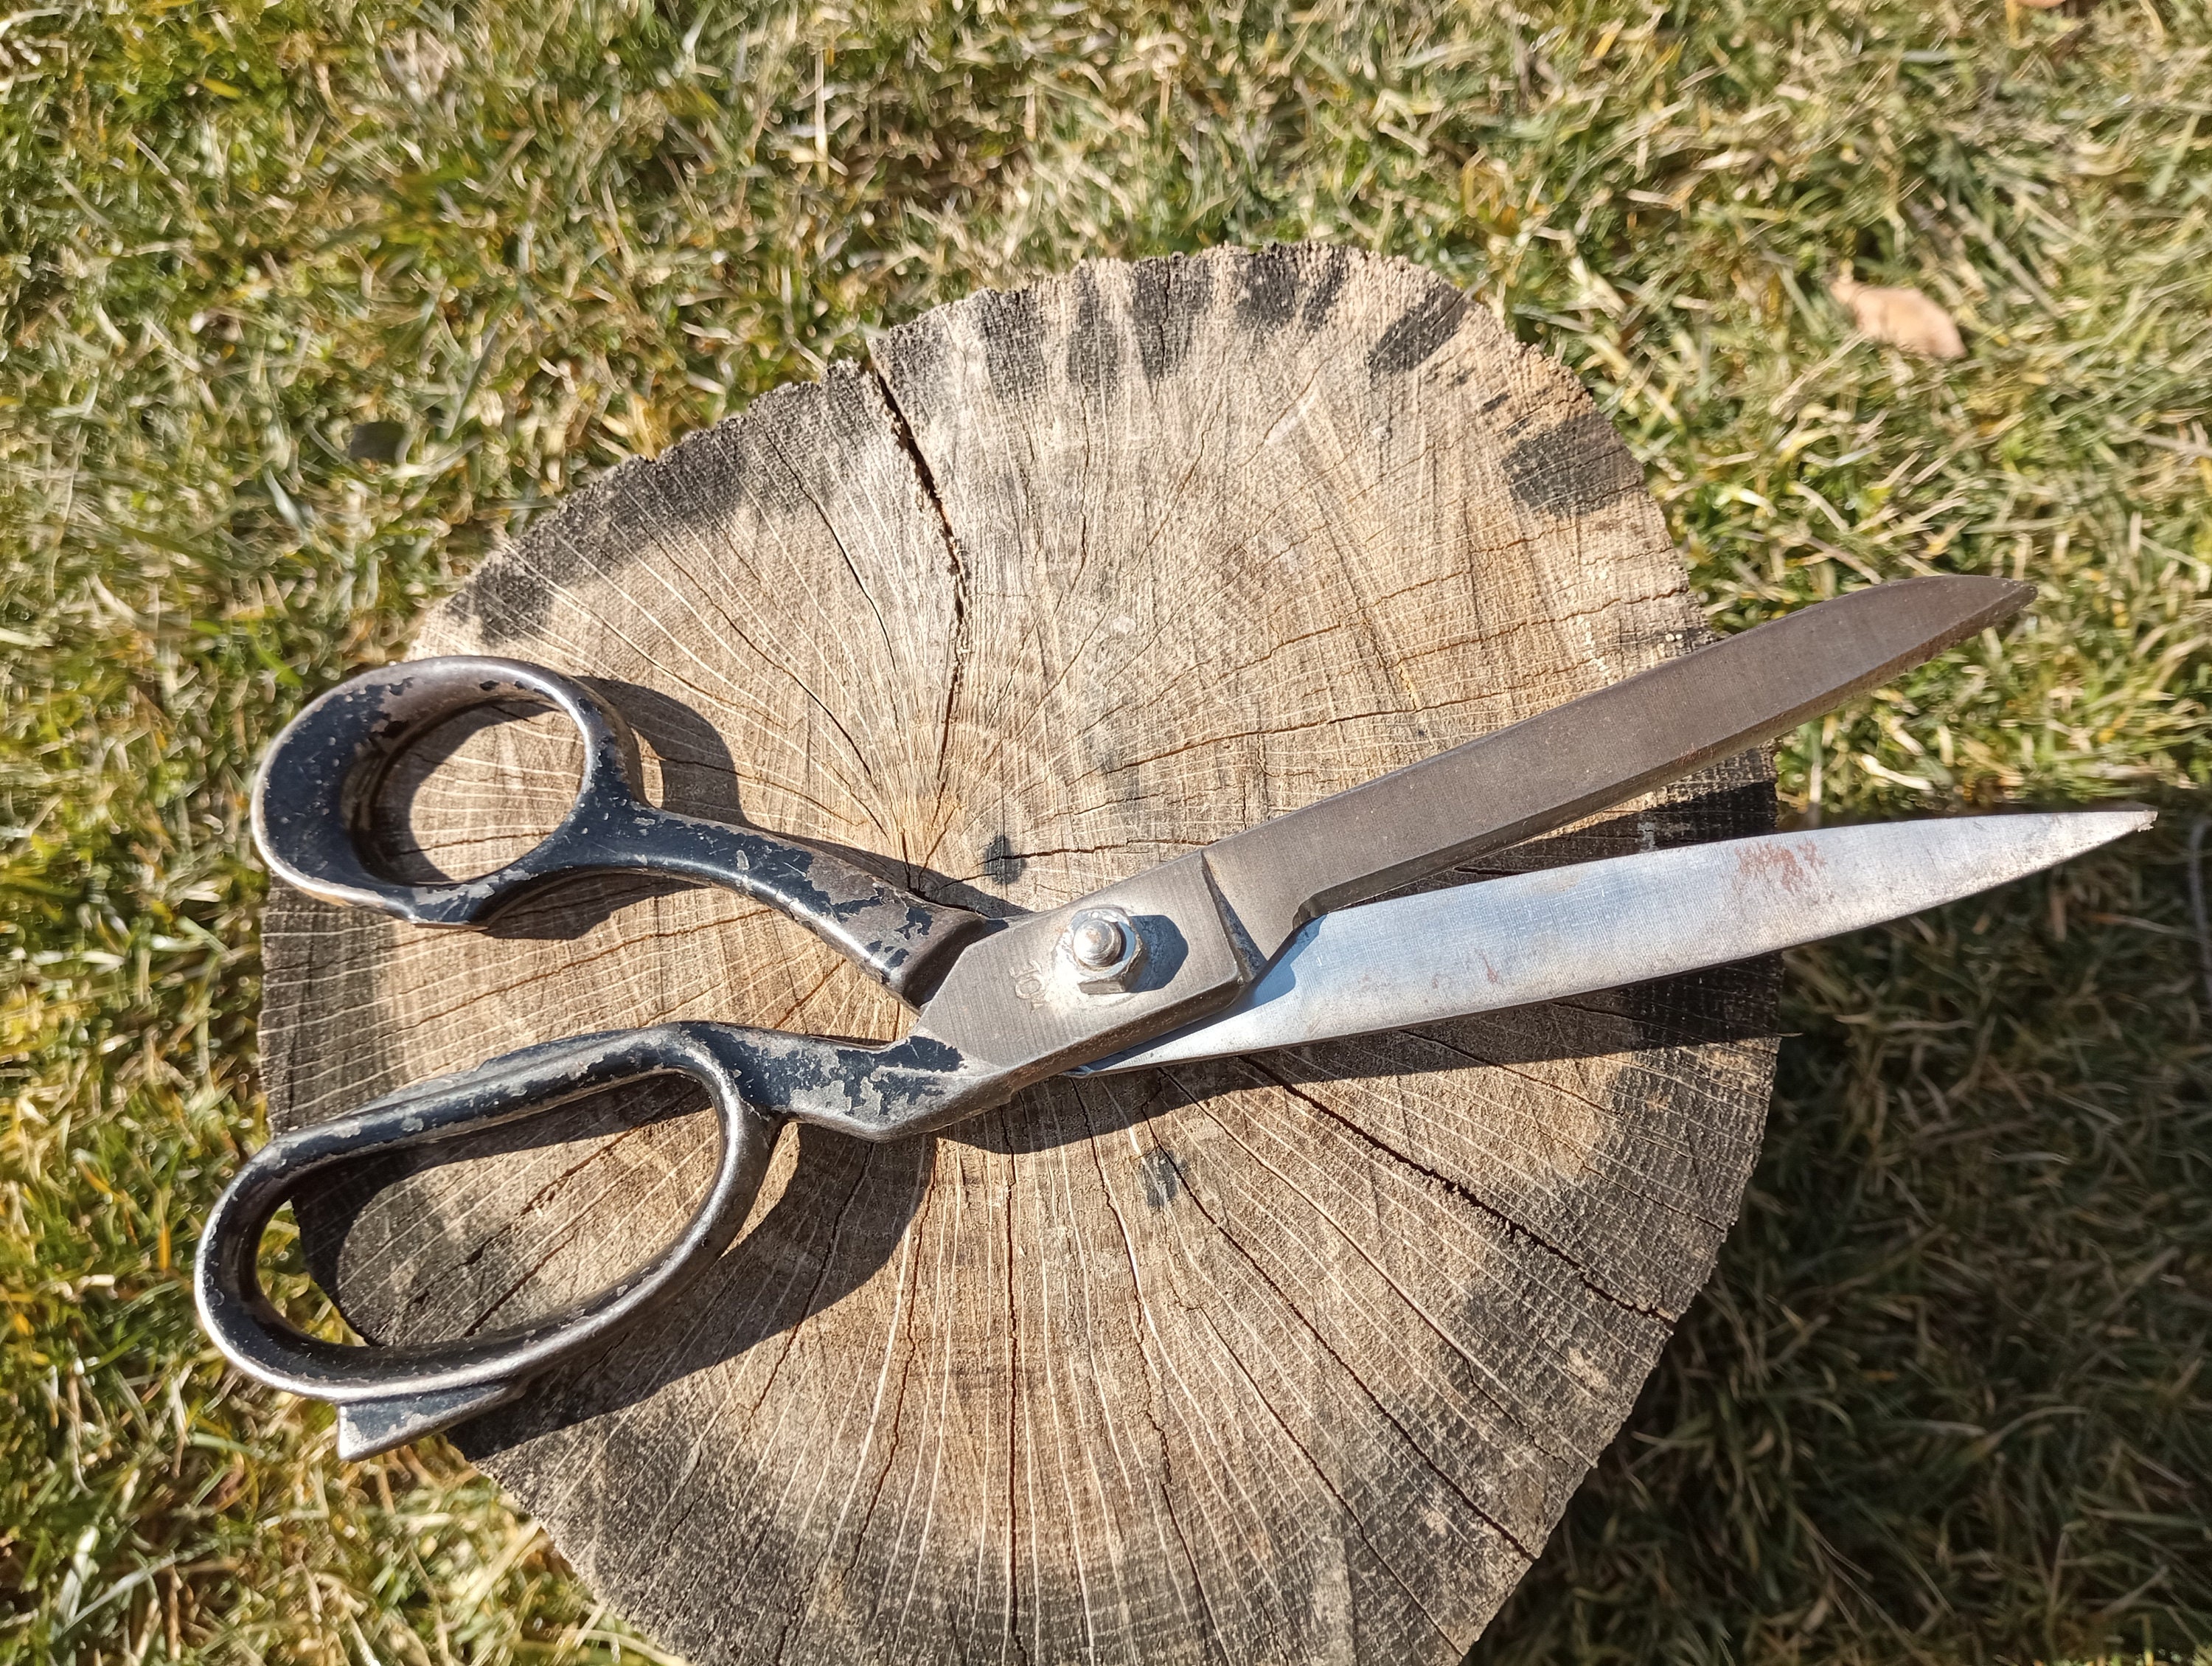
(1368, 1138)
(1280, 1360)
(927, 481)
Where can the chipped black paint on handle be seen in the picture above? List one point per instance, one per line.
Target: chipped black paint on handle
(316, 795)
(407, 1390)
(389, 1396)
(1334, 1431)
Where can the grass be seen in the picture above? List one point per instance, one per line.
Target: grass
(1944, 1402)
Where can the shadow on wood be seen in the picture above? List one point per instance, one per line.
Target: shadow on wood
(1295, 1357)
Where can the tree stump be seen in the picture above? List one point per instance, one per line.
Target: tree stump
(1290, 1358)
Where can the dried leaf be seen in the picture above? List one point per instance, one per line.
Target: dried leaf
(1903, 317)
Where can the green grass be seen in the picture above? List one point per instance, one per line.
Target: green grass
(1945, 1400)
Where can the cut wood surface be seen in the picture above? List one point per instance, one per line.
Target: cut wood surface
(1291, 1358)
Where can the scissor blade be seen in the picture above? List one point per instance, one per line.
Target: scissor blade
(1564, 764)
(1569, 931)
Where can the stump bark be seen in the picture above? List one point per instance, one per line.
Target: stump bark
(1290, 1358)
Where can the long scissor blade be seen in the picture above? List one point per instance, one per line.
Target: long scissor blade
(1564, 764)
(1567, 931)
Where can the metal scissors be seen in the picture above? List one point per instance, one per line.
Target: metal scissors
(1269, 938)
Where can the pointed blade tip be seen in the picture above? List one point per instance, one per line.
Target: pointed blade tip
(1982, 598)
(2102, 826)
(1998, 597)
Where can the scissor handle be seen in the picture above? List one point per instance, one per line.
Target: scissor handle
(316, 791)
(389, 1395)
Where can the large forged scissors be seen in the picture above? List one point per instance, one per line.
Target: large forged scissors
(1258, 940)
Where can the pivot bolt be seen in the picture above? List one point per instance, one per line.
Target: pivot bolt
(1104, 948)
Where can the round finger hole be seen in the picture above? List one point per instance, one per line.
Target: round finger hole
(475, 792)
(510, 1225)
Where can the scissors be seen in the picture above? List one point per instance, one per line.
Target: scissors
(1273, 937)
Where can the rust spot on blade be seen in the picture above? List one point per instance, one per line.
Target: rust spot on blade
(1792, 867)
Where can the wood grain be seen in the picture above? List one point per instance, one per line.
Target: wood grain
(1293, 1357)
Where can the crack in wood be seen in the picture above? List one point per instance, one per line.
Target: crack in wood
(1513, 1227)
(1111, 567)
(1494, 1392)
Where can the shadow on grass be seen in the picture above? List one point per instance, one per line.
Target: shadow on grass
(1943, 1392)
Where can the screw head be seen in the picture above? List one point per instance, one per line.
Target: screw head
(1104, 949)
(1094, 941)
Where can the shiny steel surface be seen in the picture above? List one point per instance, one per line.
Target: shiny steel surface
(1005, 1004)
(1562, 765)
(1568, 931)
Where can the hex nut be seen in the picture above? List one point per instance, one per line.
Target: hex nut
(1103, 949)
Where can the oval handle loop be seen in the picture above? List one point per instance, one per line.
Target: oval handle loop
(408, 1390)
(316, 793)
(316, 796)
